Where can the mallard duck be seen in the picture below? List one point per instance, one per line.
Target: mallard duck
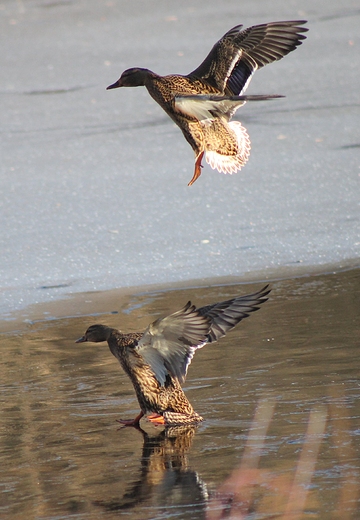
(157, 360)
(203, 102)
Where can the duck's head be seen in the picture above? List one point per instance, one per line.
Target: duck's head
(135, 77)
(95, 334)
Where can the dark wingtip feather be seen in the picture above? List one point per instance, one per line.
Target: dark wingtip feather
(227, 314)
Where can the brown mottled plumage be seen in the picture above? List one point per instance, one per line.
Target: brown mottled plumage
(203, 102)
(157, 360)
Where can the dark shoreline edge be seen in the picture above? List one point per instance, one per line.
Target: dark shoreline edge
(97, 303)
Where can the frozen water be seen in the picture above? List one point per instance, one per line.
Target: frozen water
(93, 183)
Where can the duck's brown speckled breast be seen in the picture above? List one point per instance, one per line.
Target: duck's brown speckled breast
(163, 90)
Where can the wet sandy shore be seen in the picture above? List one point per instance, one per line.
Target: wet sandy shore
(98, 303)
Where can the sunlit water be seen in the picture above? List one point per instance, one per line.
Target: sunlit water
(62, 455)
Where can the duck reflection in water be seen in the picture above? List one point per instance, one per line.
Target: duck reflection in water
(165, 477)
(166, 480)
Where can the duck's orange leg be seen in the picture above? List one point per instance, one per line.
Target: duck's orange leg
(155, 418)
(131, 422)
(197, 171)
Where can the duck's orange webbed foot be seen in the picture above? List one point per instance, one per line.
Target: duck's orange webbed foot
(131, 422)
(156, 419)
(198, 167)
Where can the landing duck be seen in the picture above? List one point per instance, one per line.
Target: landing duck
(157, 360)
(202, 103)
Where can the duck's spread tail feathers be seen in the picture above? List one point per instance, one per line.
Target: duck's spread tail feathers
(235, 161)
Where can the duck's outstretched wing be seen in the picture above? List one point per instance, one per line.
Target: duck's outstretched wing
(226, 315)
(239, 53)
(168, 344)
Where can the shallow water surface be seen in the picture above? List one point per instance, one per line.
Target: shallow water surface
(279, 395)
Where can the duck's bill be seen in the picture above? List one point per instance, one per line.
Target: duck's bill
(81, 340)
(117, 84)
